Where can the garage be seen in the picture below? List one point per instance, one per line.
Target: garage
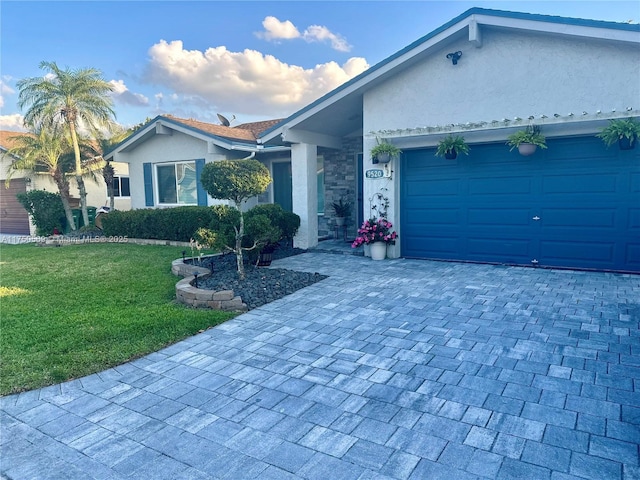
(13, 217)
(574, 205)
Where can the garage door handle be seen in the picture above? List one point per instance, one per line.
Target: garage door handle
(536, 218)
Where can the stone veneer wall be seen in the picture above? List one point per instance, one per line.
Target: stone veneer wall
(340, 179)
(189, 295)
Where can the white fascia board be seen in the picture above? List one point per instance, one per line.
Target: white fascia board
(310, 138)
(564, 128)
(132, 140)
(583, 31)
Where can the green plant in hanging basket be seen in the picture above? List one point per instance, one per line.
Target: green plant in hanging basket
(530, 135)
(384, 149)
(620, 130)
(450, 147)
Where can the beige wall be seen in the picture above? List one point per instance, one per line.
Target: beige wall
(96, 189)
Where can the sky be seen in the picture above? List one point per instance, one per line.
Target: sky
(247, 60)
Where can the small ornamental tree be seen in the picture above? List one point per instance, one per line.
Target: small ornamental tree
(237, 181)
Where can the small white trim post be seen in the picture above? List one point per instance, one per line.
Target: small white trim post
(304, 171)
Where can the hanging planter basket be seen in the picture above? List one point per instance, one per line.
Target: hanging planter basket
(383, 158)
(623, 131)
(527, 149)
(450, 146)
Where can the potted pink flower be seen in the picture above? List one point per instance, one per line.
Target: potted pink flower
(377, 233)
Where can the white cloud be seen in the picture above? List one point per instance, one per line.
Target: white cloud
(247, 82)
(275, 29)
(13, 122)
(4, 90)
(318, 33)
(122, 95)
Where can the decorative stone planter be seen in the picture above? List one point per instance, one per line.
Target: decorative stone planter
(189, 295)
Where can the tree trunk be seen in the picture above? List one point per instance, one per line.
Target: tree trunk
(83, 199)
(79, 179)
(239, 235)
(108, 174)
(63, 188)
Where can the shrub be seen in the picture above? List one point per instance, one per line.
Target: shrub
(287, 222)
(46, 210)
(177, 224)
(236, 180)
(265, 226)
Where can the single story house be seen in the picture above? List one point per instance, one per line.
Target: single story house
(14, 219)
(483, 75)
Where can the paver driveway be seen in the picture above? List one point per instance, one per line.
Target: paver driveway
(394, 369)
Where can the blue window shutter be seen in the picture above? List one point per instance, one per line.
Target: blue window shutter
(148, 185)
(202, 193)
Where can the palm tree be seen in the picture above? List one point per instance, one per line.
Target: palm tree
(43, 150)
(75, 98)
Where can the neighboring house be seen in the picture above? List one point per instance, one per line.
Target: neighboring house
(14, 218)
(576, 204)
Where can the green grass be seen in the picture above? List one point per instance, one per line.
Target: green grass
(75, 310)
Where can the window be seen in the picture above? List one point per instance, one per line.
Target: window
(176, 183)
(320, 178)
(121, 187)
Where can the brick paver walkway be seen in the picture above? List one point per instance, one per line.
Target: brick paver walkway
(395, 369)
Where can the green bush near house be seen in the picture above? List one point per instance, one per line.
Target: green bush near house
(264, 225)
(287, 222)
(177, 224)
(46, 210)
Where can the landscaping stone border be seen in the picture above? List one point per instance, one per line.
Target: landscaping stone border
(194, 297)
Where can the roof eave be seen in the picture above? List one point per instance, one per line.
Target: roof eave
(520, 21)
(160, 121)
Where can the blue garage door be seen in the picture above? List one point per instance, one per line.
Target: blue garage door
(574, 205)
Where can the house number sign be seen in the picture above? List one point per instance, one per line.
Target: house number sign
(374, 173)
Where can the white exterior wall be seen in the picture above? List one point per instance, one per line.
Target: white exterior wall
(164, 148)
(511, 75)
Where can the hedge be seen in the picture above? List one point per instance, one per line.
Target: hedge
(177, 224)
(181, 223)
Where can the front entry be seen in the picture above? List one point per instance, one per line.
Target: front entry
(282, 185)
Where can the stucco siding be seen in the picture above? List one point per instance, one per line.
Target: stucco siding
(159, 149)
(510, 75)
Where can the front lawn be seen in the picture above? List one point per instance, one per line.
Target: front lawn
(78, 309)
